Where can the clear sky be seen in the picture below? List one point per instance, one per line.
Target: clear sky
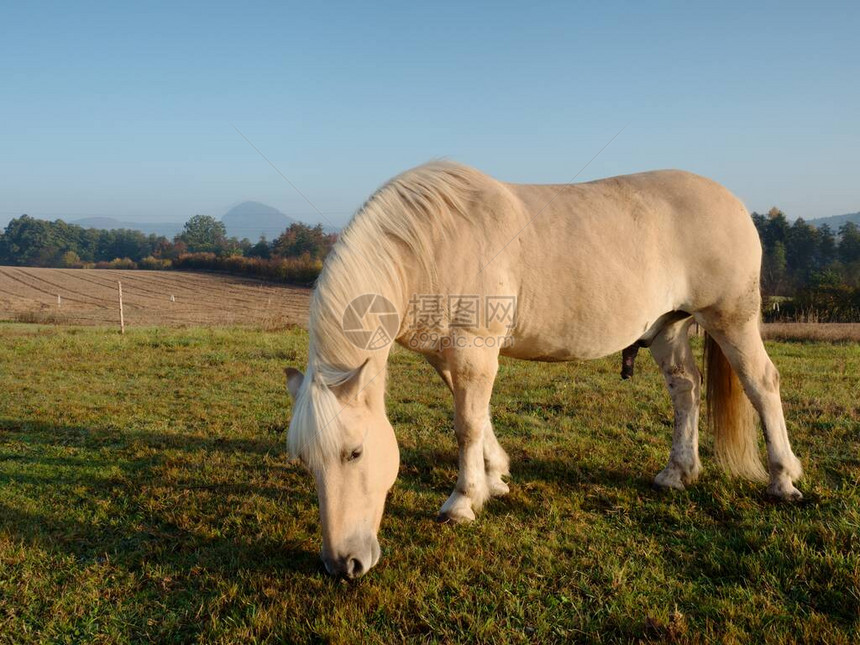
(127, 109)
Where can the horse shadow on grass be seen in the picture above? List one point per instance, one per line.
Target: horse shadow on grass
(705, 537)
(419, 464)
(69, 473)
(55, 478)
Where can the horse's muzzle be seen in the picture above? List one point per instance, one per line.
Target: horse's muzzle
(355, 562)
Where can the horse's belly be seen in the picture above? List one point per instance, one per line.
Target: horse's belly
(545, 331)
(554, 348)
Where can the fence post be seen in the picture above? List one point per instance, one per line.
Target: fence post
(121, 318)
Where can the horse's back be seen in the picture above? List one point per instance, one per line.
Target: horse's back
(677, 206)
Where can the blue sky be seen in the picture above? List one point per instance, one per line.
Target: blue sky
(127, 109)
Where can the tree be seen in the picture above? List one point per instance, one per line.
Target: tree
(849, 243)
(204, 233)
(28, 242)
(773, 270)
(760, 222)
(301, 239)
(70, 260)
(260, 250)
(801, 250)
(826, 246)
(124, 243)
(776, 229)
(233, 246)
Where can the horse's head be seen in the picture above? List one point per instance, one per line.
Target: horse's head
(343, 436)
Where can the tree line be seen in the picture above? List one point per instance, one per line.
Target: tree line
(294, 256)
(809, 273)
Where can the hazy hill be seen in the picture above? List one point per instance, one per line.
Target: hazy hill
(253, 219)
(835, 221)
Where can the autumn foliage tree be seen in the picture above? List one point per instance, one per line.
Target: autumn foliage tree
(300, 239)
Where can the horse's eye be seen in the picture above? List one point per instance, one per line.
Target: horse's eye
(355, 454)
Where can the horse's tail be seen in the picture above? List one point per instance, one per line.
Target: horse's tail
(731, 417)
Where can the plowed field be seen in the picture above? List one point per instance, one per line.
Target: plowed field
(90, 297)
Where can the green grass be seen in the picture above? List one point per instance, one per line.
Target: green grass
(145, 496)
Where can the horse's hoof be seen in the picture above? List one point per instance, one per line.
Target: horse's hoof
(667, 480)
(450, 517)
(658, 488)
(784, 493)
(458, 508)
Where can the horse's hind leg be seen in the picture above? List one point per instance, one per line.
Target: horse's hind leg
(744, 349)
(472, 373)
(671, 350)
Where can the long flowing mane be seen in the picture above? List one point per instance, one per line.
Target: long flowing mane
(391, 239)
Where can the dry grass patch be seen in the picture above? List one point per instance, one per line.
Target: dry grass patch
(816, 332)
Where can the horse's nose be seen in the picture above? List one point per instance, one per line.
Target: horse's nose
(350, 566)
(354, 568)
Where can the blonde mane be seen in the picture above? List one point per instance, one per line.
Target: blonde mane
(389, 243)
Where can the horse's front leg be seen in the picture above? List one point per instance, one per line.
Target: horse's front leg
(496, 462)
(472, 375)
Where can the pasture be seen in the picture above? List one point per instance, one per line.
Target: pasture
(145, 496)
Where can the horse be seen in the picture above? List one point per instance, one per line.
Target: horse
(556, 273)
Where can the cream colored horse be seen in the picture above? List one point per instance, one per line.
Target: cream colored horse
(557, 273)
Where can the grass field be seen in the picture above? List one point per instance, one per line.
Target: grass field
(163, 298)
(145, 496)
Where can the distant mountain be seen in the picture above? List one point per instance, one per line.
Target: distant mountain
(167, 229)
(253, 219)
(835, 221)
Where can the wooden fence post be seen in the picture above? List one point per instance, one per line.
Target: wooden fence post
(121, 318)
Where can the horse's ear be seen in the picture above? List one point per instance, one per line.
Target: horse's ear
(349, 391)
(294, 381)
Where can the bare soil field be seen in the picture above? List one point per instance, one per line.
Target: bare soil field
(150, 298)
